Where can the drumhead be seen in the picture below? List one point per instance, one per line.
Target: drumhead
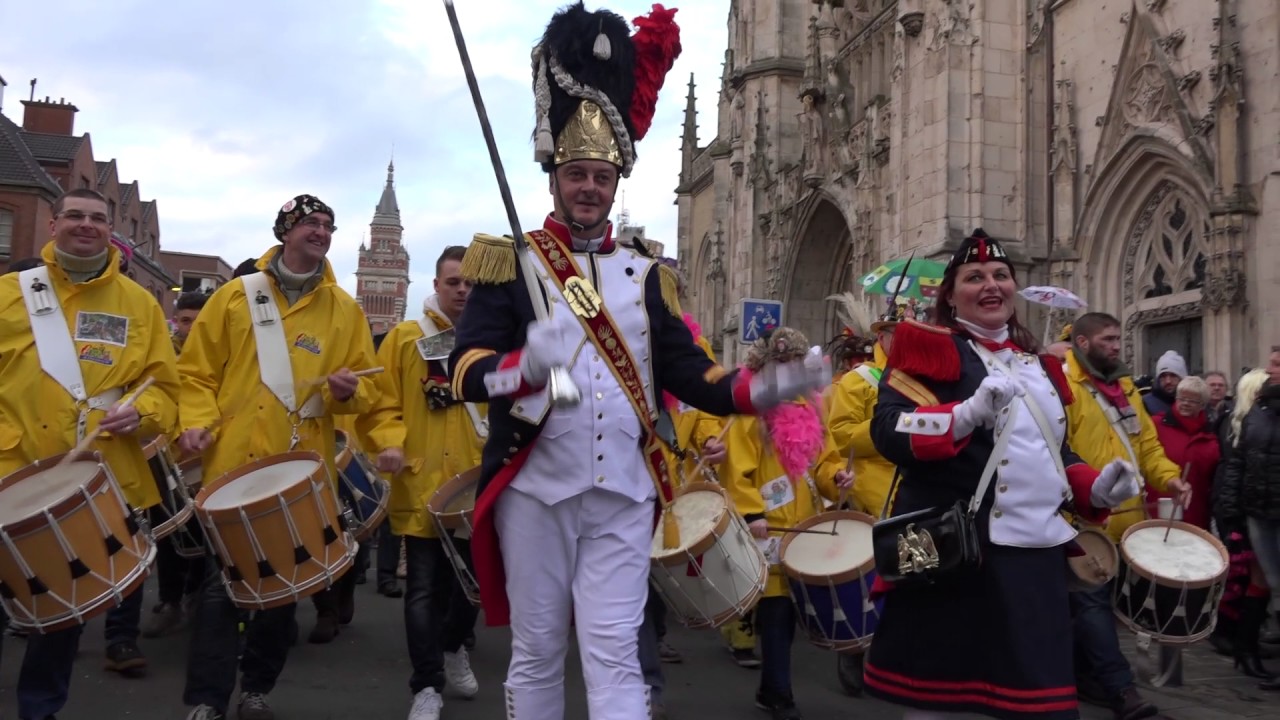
(262, 483)
(849, 548)
(1185, 557)
(47, 487)
(697, 514)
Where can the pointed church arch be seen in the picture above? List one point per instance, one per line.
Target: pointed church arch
(1143, 240)
(819, 267)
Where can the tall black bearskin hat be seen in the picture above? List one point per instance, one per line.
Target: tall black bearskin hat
(978, 247)
(596, 86)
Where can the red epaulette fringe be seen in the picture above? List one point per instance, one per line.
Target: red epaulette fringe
(925, 352)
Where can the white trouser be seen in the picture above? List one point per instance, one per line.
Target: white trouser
(583, 560)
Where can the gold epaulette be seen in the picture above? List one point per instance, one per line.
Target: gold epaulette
(670, 283)
(490, 260)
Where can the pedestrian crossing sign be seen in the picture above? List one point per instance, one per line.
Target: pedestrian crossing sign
(759, 317)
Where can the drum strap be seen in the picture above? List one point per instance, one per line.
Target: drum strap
(478, 421)
(870, 374)
(57, 353)
(1117, 426)
(1055, 447)
(273, 352)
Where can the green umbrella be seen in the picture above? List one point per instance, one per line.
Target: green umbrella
(921, 280)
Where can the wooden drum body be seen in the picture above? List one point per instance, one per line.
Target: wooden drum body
(175, 508)
(70, 546)
(277, 529)
(1097, 566)
(188, 539)
(718, 573)
(1169, 589)
(451, 508)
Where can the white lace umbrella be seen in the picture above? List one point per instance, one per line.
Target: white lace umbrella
(1054, 297)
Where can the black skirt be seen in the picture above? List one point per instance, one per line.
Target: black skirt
(997, 642)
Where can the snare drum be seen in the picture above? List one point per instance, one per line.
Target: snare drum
(188, 539)
(362, 489)
(277, 529)
(831, 577)
(1097, 566)
(70, 546)
(718, 573)
(1169, 589)
(451, 507)
(175, 507)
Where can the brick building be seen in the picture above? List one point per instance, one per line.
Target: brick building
(382, 275)
(44, 158)
(195, 273)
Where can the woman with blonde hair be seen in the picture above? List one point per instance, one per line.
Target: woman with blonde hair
(1248, 591)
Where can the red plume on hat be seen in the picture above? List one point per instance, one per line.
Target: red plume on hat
(657, 45)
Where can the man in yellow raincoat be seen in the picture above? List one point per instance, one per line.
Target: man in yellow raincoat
(117, 333)
(1108, 422)
(777, 465)
(228, 412)
(423, 437)
(850, 407)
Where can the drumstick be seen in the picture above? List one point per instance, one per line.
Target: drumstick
(1174, 509)
(844, 491)
(89, 438)
(832, 531)
(358, 373)
(702, 461)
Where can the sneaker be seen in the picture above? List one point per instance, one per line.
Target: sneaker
(780, 707)
(127, 659)
(165, 618)
(253, 706)
(205, 712)
(668, 654)
(1131, 706)
(325, 631)
(458, 675)
(745, 657)
(426, 705)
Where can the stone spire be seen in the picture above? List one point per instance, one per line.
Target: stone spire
(388, 210)
(690, 136)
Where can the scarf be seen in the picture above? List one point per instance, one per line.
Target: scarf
(1109, 384)
(294, 285)
(993, 340)
(82, 269)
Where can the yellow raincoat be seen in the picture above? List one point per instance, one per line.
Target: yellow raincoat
(221, 379)
(38, 417)
(437, 444)
(850, 407)
(1095, 441)
(693, 429)
(751, 465)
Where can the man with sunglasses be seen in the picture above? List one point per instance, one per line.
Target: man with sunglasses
(77, 337)
(241, 402)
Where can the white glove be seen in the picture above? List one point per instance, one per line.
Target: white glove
(993, 395)
(545, 347)
(777, 383)
(1117, 482)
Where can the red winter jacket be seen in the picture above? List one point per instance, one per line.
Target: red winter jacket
(1190, 440)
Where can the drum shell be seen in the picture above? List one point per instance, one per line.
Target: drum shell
(175, 508)
(1097, 545)
(188, 540)
(34, 540)
(1184, 611)
(718, 577)
(836, 611)
(452, 506)
(313, 508)
(358, 475)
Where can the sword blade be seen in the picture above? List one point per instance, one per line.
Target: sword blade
(486, 128)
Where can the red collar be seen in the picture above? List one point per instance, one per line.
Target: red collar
(560, 230)
(997, 347)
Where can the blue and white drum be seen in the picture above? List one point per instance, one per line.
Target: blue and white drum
(362, 490)
(830, 570)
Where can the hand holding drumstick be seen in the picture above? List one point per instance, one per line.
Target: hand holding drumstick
(343, 383)
(121, 419)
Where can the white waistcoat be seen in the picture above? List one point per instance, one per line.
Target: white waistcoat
(597, 443)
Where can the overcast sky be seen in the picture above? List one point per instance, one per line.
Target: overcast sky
(223, 111)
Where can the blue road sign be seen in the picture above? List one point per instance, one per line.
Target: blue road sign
(758, 317)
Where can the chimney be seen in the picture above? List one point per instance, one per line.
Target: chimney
(53, 118)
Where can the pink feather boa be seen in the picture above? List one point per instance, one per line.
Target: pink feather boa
(797, 434)
(669, 401)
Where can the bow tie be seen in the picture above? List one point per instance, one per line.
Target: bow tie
(998, 346)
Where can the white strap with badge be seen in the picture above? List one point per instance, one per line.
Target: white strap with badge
(274, 364)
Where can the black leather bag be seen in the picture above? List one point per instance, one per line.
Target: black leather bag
(926, 546)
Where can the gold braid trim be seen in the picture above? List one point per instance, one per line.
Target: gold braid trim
(490, 260)
(670, 283)
(911, 389)
(464, 364)
(714, 375)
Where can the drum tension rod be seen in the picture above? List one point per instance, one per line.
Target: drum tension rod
(832, 531)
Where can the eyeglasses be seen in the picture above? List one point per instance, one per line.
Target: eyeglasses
(76, 216)
(315, 224)
(1190, 402)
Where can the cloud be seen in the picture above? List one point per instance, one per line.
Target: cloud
(222, 112)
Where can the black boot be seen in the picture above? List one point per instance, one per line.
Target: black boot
(1253, 612)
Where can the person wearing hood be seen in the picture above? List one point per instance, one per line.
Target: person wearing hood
(229, 378)
(1170, 369)
(63, 379)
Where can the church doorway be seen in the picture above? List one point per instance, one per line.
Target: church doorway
(819, 268)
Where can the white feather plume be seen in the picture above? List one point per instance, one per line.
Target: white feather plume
(853, 312)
